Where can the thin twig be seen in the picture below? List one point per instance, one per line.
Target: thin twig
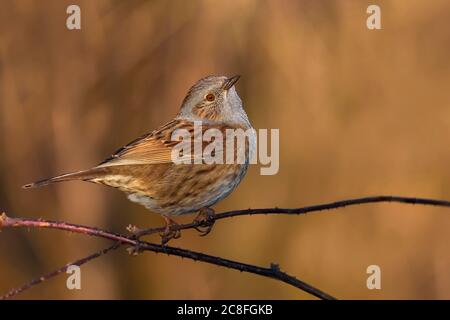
(272, 272)
(138, 245)
(303, 210)
(52, 274)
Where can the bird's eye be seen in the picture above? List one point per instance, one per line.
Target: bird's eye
(210, 97)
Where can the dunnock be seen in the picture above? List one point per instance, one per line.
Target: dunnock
(145, 170)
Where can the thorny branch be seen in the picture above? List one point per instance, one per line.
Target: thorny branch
(136, 245)
(16, 291)
(304, 210)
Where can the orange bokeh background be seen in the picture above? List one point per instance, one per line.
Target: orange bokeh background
(360, 113)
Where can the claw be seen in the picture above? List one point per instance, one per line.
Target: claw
(169, 233)
(205, 219)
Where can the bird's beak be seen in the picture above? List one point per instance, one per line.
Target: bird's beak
(230, 82)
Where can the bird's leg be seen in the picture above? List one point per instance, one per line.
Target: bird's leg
(205, 219)
(170, 232)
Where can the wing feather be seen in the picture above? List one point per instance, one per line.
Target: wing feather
(151, 148)
(156, 147)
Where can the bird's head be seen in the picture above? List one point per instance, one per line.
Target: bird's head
(213, 99)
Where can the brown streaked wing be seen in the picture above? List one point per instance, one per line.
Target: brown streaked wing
(155, 147)
(151, 148)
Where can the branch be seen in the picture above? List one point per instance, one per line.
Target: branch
(273, 271)
(52, 274)
(303, 210)
(138, 245)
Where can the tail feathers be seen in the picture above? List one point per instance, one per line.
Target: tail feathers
(80, 175)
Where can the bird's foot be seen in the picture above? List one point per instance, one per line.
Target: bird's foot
(170, 232)
(205, 220)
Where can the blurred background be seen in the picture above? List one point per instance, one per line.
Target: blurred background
(360, 113)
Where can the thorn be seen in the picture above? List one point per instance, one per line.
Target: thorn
(275, 267)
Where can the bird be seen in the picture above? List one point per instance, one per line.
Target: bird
(145, 169)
